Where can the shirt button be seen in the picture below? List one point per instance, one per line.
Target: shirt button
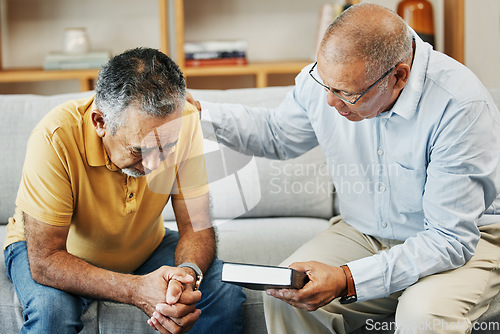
(380, 151)
(383, 224)
(381, 188)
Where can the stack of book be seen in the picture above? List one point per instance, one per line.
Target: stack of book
(219, 53)
(77, 61)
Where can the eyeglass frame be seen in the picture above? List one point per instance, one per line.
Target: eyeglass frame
(362, 94)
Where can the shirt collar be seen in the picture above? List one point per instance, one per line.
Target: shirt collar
(407, 102)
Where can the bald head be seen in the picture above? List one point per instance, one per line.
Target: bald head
(369, 33)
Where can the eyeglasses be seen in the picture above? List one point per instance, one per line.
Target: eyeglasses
(346, 97)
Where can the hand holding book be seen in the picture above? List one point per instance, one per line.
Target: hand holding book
(325, 284)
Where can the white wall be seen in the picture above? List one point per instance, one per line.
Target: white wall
(32, 28)
(35, 27)
(274, 29)
(482, 40)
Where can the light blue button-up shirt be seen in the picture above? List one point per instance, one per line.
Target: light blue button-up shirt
(426, 172)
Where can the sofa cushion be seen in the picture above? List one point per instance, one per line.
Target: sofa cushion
(299, 187)
(19, 115)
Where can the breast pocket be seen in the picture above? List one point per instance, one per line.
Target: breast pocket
(408, 185)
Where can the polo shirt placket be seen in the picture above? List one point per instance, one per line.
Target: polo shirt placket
(130, 194)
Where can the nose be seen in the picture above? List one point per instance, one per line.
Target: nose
(334, 101)
(151, 161)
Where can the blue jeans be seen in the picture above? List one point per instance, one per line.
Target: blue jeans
(49, 310)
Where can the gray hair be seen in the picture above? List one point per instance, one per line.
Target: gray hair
(141, 76)
(370, 33)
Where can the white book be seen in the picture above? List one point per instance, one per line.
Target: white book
(260, 277)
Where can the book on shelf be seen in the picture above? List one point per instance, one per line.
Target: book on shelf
(214, 55)
(215, 62)
(262, 277)
(66, 61)
(209, 53)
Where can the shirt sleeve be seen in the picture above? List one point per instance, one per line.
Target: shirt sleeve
(281, 133)
(191, 176)
(45, 192)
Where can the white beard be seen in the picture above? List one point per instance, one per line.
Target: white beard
(131, 172)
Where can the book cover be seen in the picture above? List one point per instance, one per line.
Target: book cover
(215, 62)
(214, 50)
(215, 46)
(262, 277)
(202, 55)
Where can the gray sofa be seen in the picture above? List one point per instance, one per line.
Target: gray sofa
(270, 230)
(263, 209)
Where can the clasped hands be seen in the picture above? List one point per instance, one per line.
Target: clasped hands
(325, 284)
(175, 309)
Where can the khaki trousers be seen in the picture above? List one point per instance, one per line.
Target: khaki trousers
(448, 302)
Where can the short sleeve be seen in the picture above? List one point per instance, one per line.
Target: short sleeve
(45, 192)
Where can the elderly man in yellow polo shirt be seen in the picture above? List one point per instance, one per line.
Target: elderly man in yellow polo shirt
(88, 223)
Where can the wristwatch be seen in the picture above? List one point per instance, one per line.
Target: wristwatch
(351, 290)
(197, 270)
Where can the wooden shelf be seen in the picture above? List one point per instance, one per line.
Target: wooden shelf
(261, 70)
(454, 29)
(86, 77)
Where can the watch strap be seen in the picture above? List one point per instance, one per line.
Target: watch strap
(351, 289)
(197, 270)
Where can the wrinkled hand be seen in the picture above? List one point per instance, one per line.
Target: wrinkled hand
(190, 99)
(179, 313)
(325, 284)
(166, 295)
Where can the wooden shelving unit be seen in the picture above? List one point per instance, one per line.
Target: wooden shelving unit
(261, 70)
(454, 29)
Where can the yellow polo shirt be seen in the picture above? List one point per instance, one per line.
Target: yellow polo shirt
(115, 220)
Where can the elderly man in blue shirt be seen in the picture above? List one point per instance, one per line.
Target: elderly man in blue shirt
(412, 140)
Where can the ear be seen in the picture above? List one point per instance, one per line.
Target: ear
(402, 75)
(98, 122)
